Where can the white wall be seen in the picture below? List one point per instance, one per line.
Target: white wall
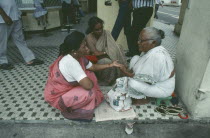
(192, 63)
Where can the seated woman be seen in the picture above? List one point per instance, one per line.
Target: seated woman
(152, 73)
(72, 86)
(101, 44)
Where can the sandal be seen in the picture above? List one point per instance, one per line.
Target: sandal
(178, 109)
(172, 112)
(161, 110)
(175, 108)
(167, 111)
(35, 62)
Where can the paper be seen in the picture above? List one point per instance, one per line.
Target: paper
(104, 113)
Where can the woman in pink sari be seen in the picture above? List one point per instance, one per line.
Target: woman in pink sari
(72, 86)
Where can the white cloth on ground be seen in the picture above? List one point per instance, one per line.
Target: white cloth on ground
(152, 71)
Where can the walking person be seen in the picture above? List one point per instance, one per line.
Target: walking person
(157, 4)
(10, 24)
(40, 13)
(123, 20)
(142, 12)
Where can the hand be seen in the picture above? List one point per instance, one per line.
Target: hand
(99, 53)
(123, 69)
(7, 20)
(116, 64)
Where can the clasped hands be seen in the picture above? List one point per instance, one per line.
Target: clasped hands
(118, 65)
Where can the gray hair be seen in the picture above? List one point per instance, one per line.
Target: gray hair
(155, 34)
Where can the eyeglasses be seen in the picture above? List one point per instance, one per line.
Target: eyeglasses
(140, 41)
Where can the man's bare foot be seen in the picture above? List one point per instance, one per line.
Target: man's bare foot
(140, 101)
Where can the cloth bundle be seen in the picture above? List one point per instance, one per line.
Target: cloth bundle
(117, 97)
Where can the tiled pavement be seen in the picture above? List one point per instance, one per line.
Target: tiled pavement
(21, 89)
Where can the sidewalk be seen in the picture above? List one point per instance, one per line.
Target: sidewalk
(21, 89)
(171, 5)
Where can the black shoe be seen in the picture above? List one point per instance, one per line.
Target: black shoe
(6, 66)
(35, 62)
(128, 54)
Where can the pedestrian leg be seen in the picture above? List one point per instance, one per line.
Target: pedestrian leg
(156, 9)
(120, 21)
(18, 39)
(141, 17)
(3, 42)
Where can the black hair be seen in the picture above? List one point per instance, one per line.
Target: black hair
(92, 22)
(161, 33)
(71, 43)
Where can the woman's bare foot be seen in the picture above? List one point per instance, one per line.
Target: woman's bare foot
(140, 101)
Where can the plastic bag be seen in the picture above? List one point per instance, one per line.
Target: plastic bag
(117, 97)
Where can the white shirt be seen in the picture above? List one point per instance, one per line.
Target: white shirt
(11, 9)
(71, 69)
(158, 2)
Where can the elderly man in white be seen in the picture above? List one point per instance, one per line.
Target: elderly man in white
(152, 73)
(10, 24)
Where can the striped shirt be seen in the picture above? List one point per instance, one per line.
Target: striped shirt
(142, 3)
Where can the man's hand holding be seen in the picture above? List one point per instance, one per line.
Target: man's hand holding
(7, 20)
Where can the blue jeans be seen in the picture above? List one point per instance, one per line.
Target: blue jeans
(123, 20)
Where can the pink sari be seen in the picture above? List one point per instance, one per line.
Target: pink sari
(72, 100)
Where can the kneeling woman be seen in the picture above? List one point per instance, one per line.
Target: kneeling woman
(72, 86)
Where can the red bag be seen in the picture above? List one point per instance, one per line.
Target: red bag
(92, 58)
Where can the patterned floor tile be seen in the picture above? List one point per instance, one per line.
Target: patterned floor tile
(21, 89)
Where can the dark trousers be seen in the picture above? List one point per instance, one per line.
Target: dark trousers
(68, 11)
(141, 17)
(123, 20)
(156, 9)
